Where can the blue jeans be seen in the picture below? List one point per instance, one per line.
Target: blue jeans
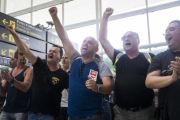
(91, 117)
(106, 111)
(13, 116)
(33, 116)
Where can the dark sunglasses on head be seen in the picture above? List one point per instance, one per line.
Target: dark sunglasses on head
(82, 69)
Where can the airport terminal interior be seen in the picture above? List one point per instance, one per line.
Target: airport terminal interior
(33, 23)
(81, 18)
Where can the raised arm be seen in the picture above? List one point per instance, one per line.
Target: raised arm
(108, 48)
(23, 86)
(22, 46)
(68, 47)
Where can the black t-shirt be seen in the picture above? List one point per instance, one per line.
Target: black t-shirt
(46, 88)
(130, 90)
(170, 94)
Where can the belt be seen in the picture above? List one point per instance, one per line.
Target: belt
(136, 108)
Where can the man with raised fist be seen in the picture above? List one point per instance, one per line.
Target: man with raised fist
(89, 76)
(48, 81)
(133, 100)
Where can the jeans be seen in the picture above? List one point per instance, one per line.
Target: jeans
(106, 111)
(91, 117)
(13, 116)
(33, 116)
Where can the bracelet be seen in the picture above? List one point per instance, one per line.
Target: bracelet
(12, 81)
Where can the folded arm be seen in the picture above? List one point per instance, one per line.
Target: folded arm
(155, 81)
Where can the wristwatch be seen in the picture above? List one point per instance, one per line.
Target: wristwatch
(99, 88)
(12, 81)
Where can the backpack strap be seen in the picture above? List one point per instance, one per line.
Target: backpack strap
(117, 58)
(147, 56)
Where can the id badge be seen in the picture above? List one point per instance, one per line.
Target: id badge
(93, 74)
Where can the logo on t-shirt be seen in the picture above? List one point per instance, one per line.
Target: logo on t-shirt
(167, 72)
(55, 80)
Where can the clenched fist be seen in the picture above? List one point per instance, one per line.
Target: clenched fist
(10, 29)
(91, 84)
(108, 12)
(53, 11)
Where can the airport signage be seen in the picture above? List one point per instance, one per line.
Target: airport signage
(22, 27)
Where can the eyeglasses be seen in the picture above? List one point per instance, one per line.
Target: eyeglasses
(82, 68)
(128, 37)
(170, 29)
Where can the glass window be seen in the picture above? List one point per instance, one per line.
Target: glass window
(42, 16)
(159, 21)
(38, 2)
(79, 34)
(159, 49)
(55, 33)
(122, 6)
(108, 62)
(17, 5)
(117, 28)
(158, 2)
(144, 50)
(26, 18)
(79, 11)
(74, 44)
